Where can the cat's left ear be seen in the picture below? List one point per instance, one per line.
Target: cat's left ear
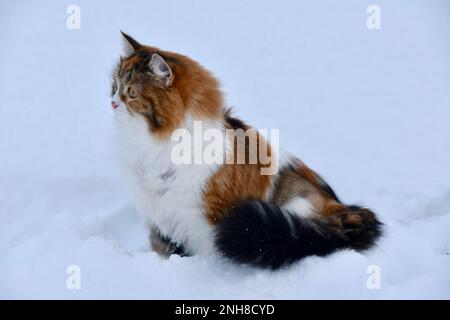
(161, 69)
(129, 44)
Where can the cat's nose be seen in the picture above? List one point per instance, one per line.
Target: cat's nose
(114, 105)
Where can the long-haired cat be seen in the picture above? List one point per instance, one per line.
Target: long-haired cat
(230, 208)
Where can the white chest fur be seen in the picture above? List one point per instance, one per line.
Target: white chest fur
(166, 194)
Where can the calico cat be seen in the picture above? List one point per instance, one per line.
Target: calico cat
(230, 208)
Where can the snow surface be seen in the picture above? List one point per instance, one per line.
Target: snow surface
(369, 110)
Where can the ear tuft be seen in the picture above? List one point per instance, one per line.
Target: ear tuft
(160, 68)
(130, 44)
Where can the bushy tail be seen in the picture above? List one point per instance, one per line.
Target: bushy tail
(263, 234)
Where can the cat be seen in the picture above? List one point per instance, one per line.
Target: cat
(232, 209)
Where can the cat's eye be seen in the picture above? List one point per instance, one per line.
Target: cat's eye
(132, 92)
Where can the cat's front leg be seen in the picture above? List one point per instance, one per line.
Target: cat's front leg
(164, 246)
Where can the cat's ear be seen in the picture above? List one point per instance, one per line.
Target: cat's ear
(130, 45)
(161, 69)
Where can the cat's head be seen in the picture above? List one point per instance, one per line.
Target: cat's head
(163, 87)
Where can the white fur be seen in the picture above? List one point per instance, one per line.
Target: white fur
(300, 206)
(166, 195)
(116, 99)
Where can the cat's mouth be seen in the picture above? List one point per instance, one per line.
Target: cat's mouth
(114, 105)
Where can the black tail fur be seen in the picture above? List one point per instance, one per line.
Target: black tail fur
(264, 235)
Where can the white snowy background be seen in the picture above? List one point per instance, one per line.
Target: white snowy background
(368, 109)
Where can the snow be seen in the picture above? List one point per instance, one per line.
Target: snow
(368, 109)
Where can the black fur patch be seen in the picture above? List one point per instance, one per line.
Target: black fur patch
(144, 59)
(154, 120)
(363, 236)
(175, 247)
(233, 122)
(262, 234)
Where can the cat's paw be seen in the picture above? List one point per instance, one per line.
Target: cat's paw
(164, 246)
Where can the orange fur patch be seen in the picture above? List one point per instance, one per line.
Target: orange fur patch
(235, 182)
